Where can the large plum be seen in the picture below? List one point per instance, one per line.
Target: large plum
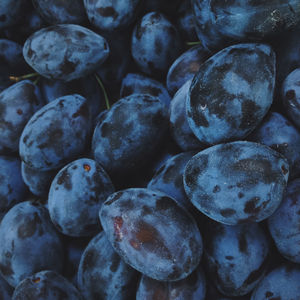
(236, 182)
(231, 93)
(146, 226)
(65, 51)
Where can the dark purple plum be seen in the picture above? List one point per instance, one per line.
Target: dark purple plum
(236, 182)
(102, 274)
(144, 228)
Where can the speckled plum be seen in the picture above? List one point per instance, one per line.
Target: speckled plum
(220, 23)
(102, 274)
(192, 287)
(56, 134)
(185, 67)
(235, 256)
(76, 195)
(32, 244)
(46, 285)
(12, 187)
(129, 133)
(156, 43)
(134, 83)
(65, 51)
(17, 105)
(231, 93)
(179, 126)
(109, 15)
(145, 226)
(279, 133)
(236, 182)
(169, 178)
(290, 94)
(284, 223)
(281, 283)
(59, 12)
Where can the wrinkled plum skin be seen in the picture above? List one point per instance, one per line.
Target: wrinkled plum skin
(235, 256)
(280, 283)
(134, 83)
(65, 51)
(236, 182)
(291, 96)
(278, 133)
(179, 126)
(240, 79)
(221, 23)
(193, 288)
(144, 226)
(129, 133)
(46, 285)
(108, 16)
(168, 178)
(287, 238)
(185, 67)
(102, 274)
(76, 195)
(155, 44)
(58, 12)
(56, 134)
(17, 105)
(28, 224)
(12, 188)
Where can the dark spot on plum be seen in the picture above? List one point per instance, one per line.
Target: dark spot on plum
(19, 111)
(80, 34)
(83, 111)
(269, 294)
(256, 274)
(74, 167)
(108, 12)
(250, 206)
(67, 67)
(64, 178)
(227, 212)
(175, 273)
(284, 170)
(140, 30)
(6, 270)
(115, 263)
(249, 114)
(163, 203)
(229, 257)
(29, 227)
(290, 95)
(36, 280)
(240, 195)
(158, 46)
(90, 259)
(243, 245)
(216, 189)
(53, 138)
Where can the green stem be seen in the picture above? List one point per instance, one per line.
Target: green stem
(37, 80)
(103, 90)
(193, 43)
(18, 78)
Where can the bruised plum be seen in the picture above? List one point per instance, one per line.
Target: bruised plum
(56, 134)
(191, 288)
(236, 182)
(102, 274)
(32, 244)
(46, 285)
(65, 51)
(146, 226)
(231, 93)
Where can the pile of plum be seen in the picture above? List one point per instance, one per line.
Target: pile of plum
(150, 149)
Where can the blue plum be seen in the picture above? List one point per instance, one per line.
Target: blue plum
(10, 12)
(231, 93)
(169, 178)
(236, 257)
(56, 134)
(278, 133)
(12, 187)
(102, 274)
(130, 133)
(58, 12)
(179, 126)
(17, 105)
(65, 51)
(76, 195)
(284, 223)
(236, 182)
(185, 67)
(46, 285)
(290, 94)
(110, 16)
(134, 83)
(156, 43)
(145, 226)
(192, 287)
(29, 243)
(281, 283)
